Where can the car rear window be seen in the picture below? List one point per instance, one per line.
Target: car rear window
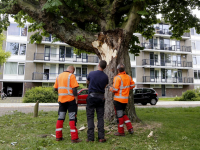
(148, 91)
(138, 91)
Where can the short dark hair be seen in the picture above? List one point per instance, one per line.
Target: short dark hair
(121, 67)
(103, 64)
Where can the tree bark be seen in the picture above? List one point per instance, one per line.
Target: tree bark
(115, 41)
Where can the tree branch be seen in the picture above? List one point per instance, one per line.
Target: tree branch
(67, 32)
(133, 18)
(95, 8)
(81, 17)
(115, 6)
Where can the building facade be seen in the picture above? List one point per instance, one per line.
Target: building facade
(33, 65)
(167, 65)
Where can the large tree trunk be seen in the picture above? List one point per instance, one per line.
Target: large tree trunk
(113, 47)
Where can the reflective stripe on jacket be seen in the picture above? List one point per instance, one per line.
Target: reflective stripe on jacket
(122, 84)
(64, 83)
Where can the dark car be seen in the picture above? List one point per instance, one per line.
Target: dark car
(82, 95)
(145, 95)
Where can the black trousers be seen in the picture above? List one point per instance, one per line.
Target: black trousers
(72, 110)
(119, 109)
(95, 102)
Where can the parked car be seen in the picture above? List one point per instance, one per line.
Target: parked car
(145, 95)
(82, 95)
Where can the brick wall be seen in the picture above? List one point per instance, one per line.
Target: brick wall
(29, 85)
(170, 92)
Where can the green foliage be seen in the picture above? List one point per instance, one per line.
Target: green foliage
(189, 95)
(133, 48)
(82, 86)
(3, 55)
(93, 16)
(51, 5)
(179, 98)
(43, 94)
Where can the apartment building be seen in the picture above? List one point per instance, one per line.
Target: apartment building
(167, 65)
(33, 65)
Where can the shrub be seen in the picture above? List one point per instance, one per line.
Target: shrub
(179, 99)
(189, 95)
(43, 94)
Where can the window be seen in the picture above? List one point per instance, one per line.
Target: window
(14, 68)
(61, 68)
(53, 70)
(21, 69)
(192, 31)
(13, 29)
(84, 55)
(196, 74)
(133, 73)
(53, 52)
(167, 58)
(24, 31)
(197, 45)
(138, 91)
(193, 45)
(69, 52)
(84, 71)
(78, 71)
(194, 61)
(22, 49)
(17, 31)
(10, 68)
(147, 91)
(16, 48)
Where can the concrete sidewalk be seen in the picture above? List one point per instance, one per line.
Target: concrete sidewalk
(160, 103)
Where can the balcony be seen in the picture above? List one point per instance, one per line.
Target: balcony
(163, 31)
(156, 62)
(66, 58)
(49, 39)
(163, 79)
(168, 47)
(168, 32)
(53, 76)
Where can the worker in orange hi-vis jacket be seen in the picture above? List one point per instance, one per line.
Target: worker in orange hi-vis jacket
(66, 85)
(122, 84)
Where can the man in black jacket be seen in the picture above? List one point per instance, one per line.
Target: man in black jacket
(97, 81)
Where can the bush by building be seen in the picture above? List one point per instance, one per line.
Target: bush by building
(189, 95)
(43, 94)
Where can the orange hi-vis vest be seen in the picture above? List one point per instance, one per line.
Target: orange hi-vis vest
(122, 84)
(64, 83)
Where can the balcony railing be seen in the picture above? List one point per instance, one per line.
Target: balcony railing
(167, 47)
(156, 62)
(167, 32)
(66, 57)
(52, 76)
(159, 79)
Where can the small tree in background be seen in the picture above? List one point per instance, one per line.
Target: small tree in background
(3, 55)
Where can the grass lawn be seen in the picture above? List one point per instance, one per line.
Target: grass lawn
(173, 129)
(166, 98)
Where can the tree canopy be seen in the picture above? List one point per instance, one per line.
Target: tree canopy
(76, 22)
(3, 55)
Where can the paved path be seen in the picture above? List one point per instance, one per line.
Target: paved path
(12, 100)
(10, 105)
